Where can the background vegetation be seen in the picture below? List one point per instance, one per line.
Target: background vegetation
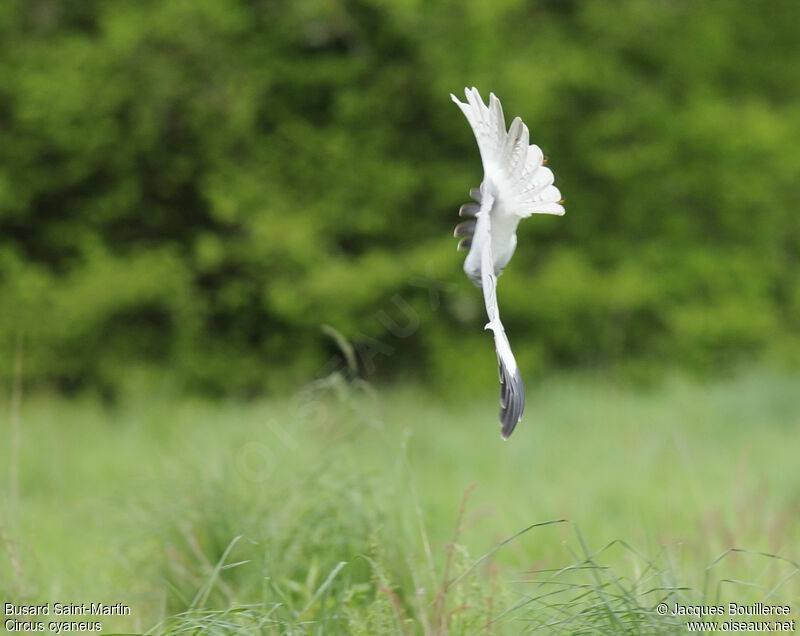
(339, 512)
(209, 200)
(197, 186)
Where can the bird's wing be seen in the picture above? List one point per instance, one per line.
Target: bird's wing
(512, 391)
(524, 184)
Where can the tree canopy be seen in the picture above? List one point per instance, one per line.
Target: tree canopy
(199, 186)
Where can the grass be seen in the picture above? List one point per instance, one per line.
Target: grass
(340, 510)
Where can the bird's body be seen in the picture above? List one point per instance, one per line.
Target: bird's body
(515, 185)
(503, 238)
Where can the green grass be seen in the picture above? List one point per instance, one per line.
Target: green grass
(344, 511)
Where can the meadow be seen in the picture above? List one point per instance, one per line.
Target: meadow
(352, 509)
(206, 204)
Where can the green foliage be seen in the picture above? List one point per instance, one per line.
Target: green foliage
(199, 186)
(337, 513)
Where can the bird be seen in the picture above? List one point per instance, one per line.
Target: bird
(516, 184)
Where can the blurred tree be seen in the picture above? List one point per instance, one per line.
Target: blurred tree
(199, 186)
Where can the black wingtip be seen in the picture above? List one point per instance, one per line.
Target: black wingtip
(512, 400)
(467, 228)
(464, 244)
(469, 210)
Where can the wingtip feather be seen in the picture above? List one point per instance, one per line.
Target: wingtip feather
(512, 400)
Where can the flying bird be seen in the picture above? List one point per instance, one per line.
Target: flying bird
(516, 184)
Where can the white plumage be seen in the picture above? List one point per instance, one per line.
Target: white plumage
(516, 184)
